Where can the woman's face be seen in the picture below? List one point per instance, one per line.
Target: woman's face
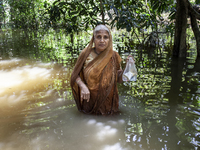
(101, 40)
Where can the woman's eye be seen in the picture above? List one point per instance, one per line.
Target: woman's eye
(105, 37)
(98, 37)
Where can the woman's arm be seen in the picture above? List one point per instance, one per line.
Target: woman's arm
(85, 93)
(119, 73)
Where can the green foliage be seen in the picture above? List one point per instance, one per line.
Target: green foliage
(78, 15)
(127, 14)
(138, 14)
(160, 6)
(81, 15)
(74, 16)
(24, 13)
(197, 1)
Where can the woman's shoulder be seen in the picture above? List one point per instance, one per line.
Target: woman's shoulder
(116, 53)
(117, 56)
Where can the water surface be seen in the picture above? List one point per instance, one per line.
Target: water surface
(159, 111)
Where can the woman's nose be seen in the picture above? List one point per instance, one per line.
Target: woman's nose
(102, 39)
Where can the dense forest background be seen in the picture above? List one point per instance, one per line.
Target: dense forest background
(143, 20)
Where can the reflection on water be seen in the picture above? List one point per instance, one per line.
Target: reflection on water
(37, 112)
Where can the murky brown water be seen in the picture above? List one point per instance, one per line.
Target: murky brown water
(37, 111)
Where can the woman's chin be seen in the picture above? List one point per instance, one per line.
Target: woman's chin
(101, 49)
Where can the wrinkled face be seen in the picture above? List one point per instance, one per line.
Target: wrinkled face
(101, 40)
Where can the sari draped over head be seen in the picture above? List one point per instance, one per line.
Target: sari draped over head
(100, 76)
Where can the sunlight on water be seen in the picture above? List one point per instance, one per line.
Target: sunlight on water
(22, 78)
(19, 83)
(116, 146)
(105, 132)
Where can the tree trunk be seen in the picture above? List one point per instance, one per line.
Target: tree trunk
(194, 15)
(180, 48)
(2, 14)
(34, 20)
(12, 12)
(72, 38)
(196, 31)
(102, 12)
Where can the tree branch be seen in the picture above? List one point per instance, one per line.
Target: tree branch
(193, 11)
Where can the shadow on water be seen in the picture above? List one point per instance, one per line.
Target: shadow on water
(158, 111)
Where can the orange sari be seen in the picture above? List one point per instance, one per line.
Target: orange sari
(101, 77)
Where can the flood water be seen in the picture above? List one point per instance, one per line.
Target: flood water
(160, 111)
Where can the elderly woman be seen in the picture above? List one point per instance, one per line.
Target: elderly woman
(95, 75)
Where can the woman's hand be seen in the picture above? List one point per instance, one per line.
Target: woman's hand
(127, 59)
(85, 92)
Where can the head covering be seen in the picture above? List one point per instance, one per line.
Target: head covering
(101, 27)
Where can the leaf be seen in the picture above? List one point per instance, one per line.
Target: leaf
(128, 27)
(155, 5)
(74, 13)
(62, 4)
(56, 2)
(74, 19)
(116, 12)
(109, 14)
(122, 6)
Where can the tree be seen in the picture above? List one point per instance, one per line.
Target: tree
(24, 13)
(2, 13)
(78, 15)
(183, 9)
(74, 16)
(194, 13)
(133, 15)
(180, 47)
